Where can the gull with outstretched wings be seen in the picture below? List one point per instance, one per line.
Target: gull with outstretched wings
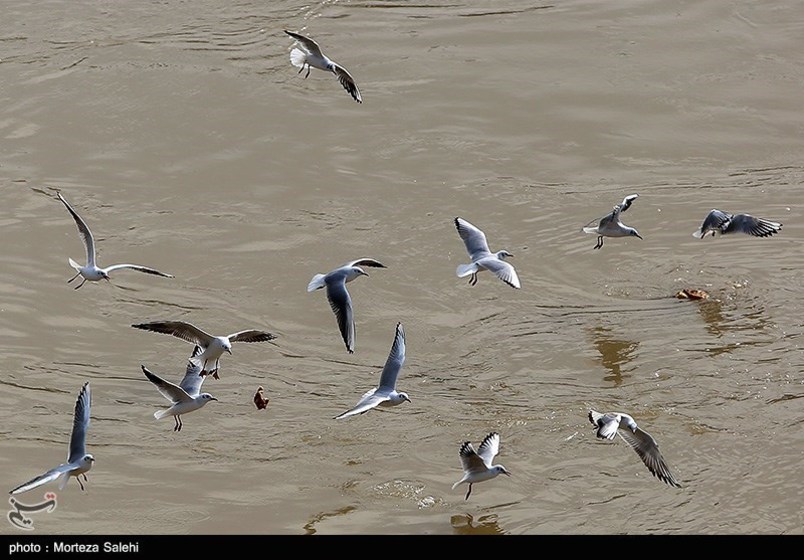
(385, 394)
(610, 224)
(482, 257)
(610, 424)
(310, 55)
(339, 299)
(79, 462)
(91, 271)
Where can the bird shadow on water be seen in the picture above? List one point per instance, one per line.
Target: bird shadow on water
(613, 353)
(465, 524)
(310, 526)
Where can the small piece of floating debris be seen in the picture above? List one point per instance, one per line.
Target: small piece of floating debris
(259, 399)
(692, 294)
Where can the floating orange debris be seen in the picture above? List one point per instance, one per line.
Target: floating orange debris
(692, 294)
(260, 400)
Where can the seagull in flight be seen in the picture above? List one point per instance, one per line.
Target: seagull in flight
(184, 397)
(477, 465)
(721, 222)
(610, 424)
(339, 299)
(310, 55)
(208, 348)
(385, 394)
(482, 257)
(79, 462)
(91, 271)
(610, 224)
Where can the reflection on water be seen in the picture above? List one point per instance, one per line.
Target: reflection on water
(720, 324)
(712, 313)
(613, 353)
(465, 524)
(309, 527)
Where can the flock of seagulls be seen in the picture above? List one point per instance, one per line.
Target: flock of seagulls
(186, 396)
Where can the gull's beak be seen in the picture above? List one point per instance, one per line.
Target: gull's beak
(408, 399)
(639, 236)
(506, 473)
(213, 399)
(229, 350)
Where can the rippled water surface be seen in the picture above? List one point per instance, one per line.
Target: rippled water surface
(188, 142)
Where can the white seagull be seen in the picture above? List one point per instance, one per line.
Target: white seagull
(185, 397)
(610, 224)
(385, 394)
(477, 465)
(610, 424)
(208, 348)
(339, 299)
(79, 462)
(91, 271)
(721, 222)
(310, 55)
(482, 257)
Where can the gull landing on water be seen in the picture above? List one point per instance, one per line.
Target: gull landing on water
(721, 222)
(79, 462)
(339, 299)
(385, 394)
(310, 55)
(482, 257)
(185, 397)
(477, 465)
(611, 424)
(610, 224)
(208, 348)
(91, 271)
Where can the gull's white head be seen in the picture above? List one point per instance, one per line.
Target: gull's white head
(502, 255)
(402, 397)
(87, 460)
(499, 469)
(354, 272)
(634, 232)
(206, 397)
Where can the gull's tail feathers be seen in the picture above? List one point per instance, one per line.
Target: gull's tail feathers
(465, 270)
(63, 479)
(159, 414)
(316, 283)
(298, 58)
